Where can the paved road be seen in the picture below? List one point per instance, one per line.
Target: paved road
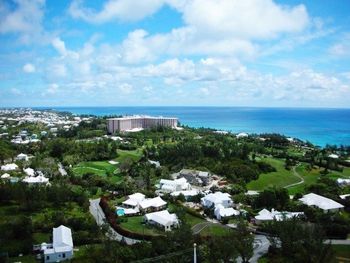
(261, 247)
(297, 175)
(100, 219)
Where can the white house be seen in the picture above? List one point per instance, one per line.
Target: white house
(265, 215)
(224, 212)
(333, 156)
(242, 135)
(62, 247)
(217, 198)
(343, 182)
(138, 201)
(5, 176)
(29, 171)
(22, 157)
(9, 167)
(162, 219)
(170, 186)
(321, 202)
(40, 179)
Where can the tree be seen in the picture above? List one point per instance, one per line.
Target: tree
(299, 242)
(242, 240)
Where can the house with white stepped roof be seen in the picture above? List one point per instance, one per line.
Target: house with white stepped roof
(324, 203)
(61, 248)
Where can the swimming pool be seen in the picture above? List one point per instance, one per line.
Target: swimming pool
(120, 212)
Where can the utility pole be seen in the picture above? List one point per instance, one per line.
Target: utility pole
(194, 253)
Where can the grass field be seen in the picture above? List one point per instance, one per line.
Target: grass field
(134, 155)
(342, 251)
(280, 178)
(133, 224)
(214, 230)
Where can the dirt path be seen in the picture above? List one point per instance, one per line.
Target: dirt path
(297, 175)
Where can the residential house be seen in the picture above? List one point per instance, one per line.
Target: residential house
(169, 186)
(324, 203)
(265, 215)
(61, 248)
(162, 219)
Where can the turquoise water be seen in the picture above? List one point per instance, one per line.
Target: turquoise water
(120, 212)
(319, 126)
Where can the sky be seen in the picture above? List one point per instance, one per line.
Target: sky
(257, 53)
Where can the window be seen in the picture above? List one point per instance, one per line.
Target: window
(64, 255)
(47, 257)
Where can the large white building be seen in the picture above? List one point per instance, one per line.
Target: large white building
(324, 203)
(139, 202)
(169, 186)
(131, 123)
(61, 248)
(217, 198)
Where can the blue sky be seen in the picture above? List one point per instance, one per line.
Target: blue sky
(175, 52)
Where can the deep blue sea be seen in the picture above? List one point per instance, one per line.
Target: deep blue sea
(319, 126)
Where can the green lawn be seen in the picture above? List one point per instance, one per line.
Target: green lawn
(100, 168)
(342, 251)
(214, 230)
(311, 177)
(280, 178)
(24, 259)
(133, 224)
(134, 155)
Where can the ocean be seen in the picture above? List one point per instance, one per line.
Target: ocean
(319, 126)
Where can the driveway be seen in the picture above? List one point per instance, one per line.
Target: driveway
(100, 218)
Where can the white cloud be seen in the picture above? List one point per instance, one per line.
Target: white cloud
(123, 10)
(125, 88)
(25, 18)
(58, 70)
(29, 68)
(52, 89)
(16, 91)
(59, 45)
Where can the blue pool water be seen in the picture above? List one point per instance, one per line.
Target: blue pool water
(120, 212)
(319, 126)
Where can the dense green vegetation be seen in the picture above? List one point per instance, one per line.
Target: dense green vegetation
(268, 163)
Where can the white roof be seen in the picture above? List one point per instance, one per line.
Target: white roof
(9, 167)
(34, 180)
(242, 135)
(137, 196)
(320, 201)
(343, 181)
(21, 156)
(225, 212)
(162, 217)
(29, 171)
(266, 215)
(334, 156)
(62, 237)
(203, 174)
(152, 202)
(217, 197)
(5, 175)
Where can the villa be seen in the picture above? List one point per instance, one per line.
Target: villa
(162, 219)
(187, 193)
(22, 157)
(169, 186)
(138, 202)
(217, 198)
(265, 215)
(9, 167)
(326, 204)
(194, 177)
(61, 248)
(222, 212)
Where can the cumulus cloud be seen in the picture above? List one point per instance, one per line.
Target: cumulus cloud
(29, 68)
(220, 27)
(122, 10)
(25, 18)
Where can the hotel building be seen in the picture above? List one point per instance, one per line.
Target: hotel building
(139, 122)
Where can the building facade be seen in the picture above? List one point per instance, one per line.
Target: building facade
(139, 122)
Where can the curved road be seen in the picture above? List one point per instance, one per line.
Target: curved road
(100, 218)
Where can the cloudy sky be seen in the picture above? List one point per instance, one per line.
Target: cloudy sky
(175, 52)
